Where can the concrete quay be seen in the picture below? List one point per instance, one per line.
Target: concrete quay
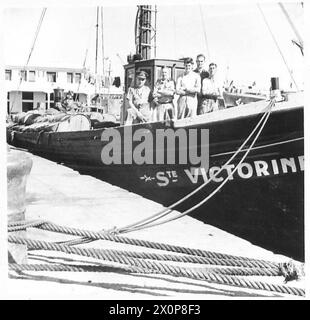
(63, 196)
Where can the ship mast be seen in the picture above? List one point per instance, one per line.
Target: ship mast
(145, 31)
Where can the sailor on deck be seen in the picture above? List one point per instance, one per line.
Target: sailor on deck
(188, 85)
(163, 93)
(211, 91)
(139, 98)
(200, 62)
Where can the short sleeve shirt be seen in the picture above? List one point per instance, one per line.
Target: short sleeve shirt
(164, 85)
(139, 96)
(190, 80)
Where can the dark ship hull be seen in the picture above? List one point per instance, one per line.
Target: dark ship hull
(262, 202)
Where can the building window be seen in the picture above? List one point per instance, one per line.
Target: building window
(27, 106)
(69, 77)
(8, 96)
(23, 75)
(51, 76)
(8, 75)
(27, 95)
(32, 76)
(51, 96)
(77, 77)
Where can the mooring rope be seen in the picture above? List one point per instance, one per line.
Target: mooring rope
(198, 273)
(104, 268)
(93, 235)
(74, 268)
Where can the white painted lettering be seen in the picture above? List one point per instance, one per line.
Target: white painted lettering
(192, 174)
(249, 169)
(204, 174)
(229, 168)
(164, 181)
(285, 163)
(212, 173)
(261, 168)
(301, 160)
(275, 167)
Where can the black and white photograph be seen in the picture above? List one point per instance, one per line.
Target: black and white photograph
(153, 151)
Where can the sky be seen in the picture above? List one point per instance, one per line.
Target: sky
(237, 37)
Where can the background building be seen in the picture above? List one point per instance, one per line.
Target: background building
(32, 87)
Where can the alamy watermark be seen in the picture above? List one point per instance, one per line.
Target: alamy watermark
(159, 146)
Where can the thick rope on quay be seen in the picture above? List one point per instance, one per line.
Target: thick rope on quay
(174, 258)
(73, 268)
(44, 225)
(23, 225)
(160, 268)
(96, 268)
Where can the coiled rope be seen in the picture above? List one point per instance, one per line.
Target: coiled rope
(198, 273)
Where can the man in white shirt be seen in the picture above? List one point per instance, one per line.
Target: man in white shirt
(211, 91)
(188, 86)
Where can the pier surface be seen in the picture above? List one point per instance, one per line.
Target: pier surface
(63, 196)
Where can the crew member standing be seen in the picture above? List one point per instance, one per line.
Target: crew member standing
(188, 85)
(200, 69)
(211, 91)
(163, 93)
(139, 97)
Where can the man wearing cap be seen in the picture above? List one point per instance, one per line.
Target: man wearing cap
(188, 85)
(163, 93)
(139, 97)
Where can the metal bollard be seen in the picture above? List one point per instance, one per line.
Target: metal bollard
(19, 165)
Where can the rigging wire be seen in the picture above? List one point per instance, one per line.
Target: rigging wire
(31, 51)
(102, 41)
(204, 31)
(275, 41)
(168, 209)
(180, 215)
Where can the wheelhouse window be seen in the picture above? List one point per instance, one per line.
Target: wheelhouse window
(8, 75)
(27, 95)
(51, 76)
(32, 76)
(69, 77)
(77, 77)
